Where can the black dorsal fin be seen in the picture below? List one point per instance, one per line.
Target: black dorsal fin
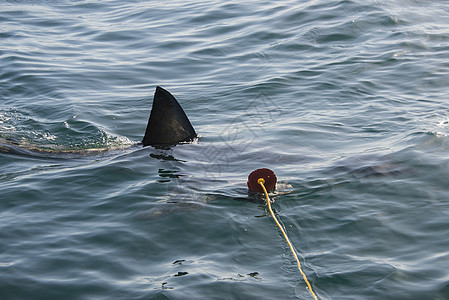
(168, 123)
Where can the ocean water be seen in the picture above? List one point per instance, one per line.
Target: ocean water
(347, 101)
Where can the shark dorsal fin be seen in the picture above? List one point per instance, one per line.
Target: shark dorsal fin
(168, 123)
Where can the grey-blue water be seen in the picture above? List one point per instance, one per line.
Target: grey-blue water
(347, 101)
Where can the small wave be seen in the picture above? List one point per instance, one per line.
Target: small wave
(20, 133)
(442, 128)
(437, 125)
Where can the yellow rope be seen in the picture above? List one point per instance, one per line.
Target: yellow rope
(261, 181)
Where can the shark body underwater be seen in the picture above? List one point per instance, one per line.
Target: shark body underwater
(168, 125)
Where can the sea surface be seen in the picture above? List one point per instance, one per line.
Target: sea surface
(346, 101)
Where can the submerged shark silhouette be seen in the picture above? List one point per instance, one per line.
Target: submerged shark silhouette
(167, 125)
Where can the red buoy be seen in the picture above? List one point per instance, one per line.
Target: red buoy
(267, 175)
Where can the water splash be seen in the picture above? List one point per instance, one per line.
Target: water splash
(72, 135)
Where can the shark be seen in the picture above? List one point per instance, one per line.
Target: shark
(168, 126)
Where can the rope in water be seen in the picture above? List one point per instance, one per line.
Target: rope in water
(261, 181)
